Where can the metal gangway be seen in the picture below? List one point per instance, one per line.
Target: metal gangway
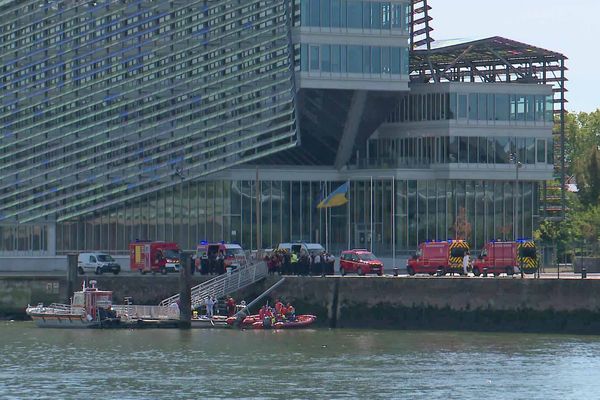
(223, 284)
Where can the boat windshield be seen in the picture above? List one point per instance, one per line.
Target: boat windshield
(105, 258)
(367, 257)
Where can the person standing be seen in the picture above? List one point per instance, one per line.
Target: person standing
(230, 306)
(318, 268)
(215, 305)
(204, 264)
(209, 307)
(466, 260)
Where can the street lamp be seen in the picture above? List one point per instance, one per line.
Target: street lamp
(514, 158)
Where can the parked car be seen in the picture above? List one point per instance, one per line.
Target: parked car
(97, 263)
(360, 261)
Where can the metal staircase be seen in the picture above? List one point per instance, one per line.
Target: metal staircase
(223, 284)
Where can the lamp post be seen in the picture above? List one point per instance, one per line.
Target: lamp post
(514, 158)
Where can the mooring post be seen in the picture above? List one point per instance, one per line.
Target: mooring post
(185, 292)
(71, 276)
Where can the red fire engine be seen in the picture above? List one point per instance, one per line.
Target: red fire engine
(148, 256)
(439, 257)
(506, 257)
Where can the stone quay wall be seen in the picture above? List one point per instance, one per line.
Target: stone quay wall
(491, 304)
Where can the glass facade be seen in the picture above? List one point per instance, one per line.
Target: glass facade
(356, 14)
(422, 152)
(354, 59)
(102, 102)
(112, 115)
(226, 210)
(515, 108)
(24, 238)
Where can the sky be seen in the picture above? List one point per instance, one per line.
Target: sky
(570, 27)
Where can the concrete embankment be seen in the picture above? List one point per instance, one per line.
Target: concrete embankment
(520, 305)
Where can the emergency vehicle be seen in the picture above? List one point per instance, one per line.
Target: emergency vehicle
(154, 256)
(360, 261)
(441, 257)
(499, 257)
(234, 254)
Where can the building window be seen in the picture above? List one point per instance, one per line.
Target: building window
(314, 58)
(325, 58)
(355, 59)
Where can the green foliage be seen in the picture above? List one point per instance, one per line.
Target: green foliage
(582, 134)
(582, 157)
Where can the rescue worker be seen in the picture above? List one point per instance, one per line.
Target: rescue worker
(278, 306)
(286, 262)
(209, 306)
(221, 263)
(465, 263)
(294, 263)
(212, 263)
(230, 304)
(291, 312)
(161, 261)
(317, 267)
(204, 264)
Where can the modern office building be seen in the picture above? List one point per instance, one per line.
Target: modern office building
(230, 119)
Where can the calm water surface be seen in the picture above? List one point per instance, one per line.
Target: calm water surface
(326, 364)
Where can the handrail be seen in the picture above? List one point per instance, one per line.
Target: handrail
(223, 284)
(56, 307)
(130, 312)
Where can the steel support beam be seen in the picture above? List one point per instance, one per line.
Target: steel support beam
(351, 127)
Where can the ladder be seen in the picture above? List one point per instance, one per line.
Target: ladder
(222, 285)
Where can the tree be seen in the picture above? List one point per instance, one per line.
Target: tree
(462, 227)
(583, 155)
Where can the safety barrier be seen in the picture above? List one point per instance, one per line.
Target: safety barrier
(223, 284)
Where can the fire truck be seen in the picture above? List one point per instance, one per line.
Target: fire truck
(154, 256)
(500, 257)
(439, 257)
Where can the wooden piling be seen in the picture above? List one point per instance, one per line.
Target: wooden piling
(71, 276)
(185, 293)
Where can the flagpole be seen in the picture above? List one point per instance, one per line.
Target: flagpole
(326, 227)
(371, 239)
(348, 215)
(393, 222)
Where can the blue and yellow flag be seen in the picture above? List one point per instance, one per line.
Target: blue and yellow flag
(338, 197)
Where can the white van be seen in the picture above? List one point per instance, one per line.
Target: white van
(97, 262)
(310, 248)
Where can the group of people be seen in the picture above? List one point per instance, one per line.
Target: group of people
(211, 307)
(280, 313)
(284, 262)
(211, 264)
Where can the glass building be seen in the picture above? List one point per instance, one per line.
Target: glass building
(229, 120)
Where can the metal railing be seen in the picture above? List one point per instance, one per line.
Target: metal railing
(57, 308)
(223, 284)
(130, 312)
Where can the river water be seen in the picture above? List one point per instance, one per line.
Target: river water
(305, 364)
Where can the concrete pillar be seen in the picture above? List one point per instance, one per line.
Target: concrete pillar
(71, 276)
(185, 292)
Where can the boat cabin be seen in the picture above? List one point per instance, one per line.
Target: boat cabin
(91, 299)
